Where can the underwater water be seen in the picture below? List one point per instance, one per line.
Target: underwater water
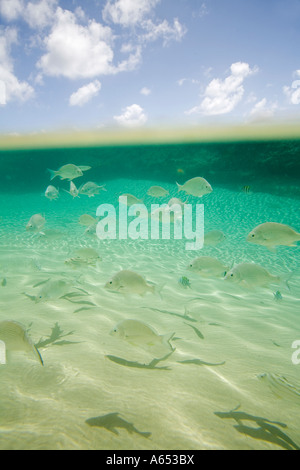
(222, 376)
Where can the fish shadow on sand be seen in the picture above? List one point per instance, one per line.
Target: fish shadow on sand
(56, 334)
(112, 421)
(137, 365)
(199, 362)
(267, 430)
(167, 312)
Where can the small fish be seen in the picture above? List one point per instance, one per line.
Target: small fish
(129, 282)
(15, 338)
(91, 189)
(214, 238)
(4, 282)
(157, 191)
(112, 421)
(83, 256)
(91, 231)
(74, 192)
(185, 282)
(87, 254)
(50, 235)
(198, 332)
(87, 220)
(280, 385)
(197, 187)
(251, 275)
(67, 172)
(272, 234)
(246, 189)
(176, 201)
(131, 200)
(208, 267)
(52, 193)
(138, 333)
(277, 296)
(52, 290)
(167, 214)
(180, 171)
(36, 223)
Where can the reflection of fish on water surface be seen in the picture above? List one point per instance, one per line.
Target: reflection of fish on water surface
(112, 421)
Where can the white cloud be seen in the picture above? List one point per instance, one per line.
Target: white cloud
(163, 30)
(128, 12)
(190, 80)
(145, 91)
(37, 13)
(201, 12)
(11, 9)
(263, 111)
(76, 51)
(133, 116)
(85, 94)
(222, 96)
(11, 87)
(293, 92)
(131, 62)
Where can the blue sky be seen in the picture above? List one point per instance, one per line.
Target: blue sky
(93, 64)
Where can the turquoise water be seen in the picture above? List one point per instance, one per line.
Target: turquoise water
(220, 386)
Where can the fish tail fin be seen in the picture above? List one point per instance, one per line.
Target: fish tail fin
(152, 289)
(286, 279)
(53, 174)
(179, 187)
(158, 289)
(38, 355)
(166, 340)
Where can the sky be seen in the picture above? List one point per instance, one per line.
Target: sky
(96, 64)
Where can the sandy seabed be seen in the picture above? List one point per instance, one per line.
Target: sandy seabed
(207, 393)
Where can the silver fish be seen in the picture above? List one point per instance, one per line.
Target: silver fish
(14, 336)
